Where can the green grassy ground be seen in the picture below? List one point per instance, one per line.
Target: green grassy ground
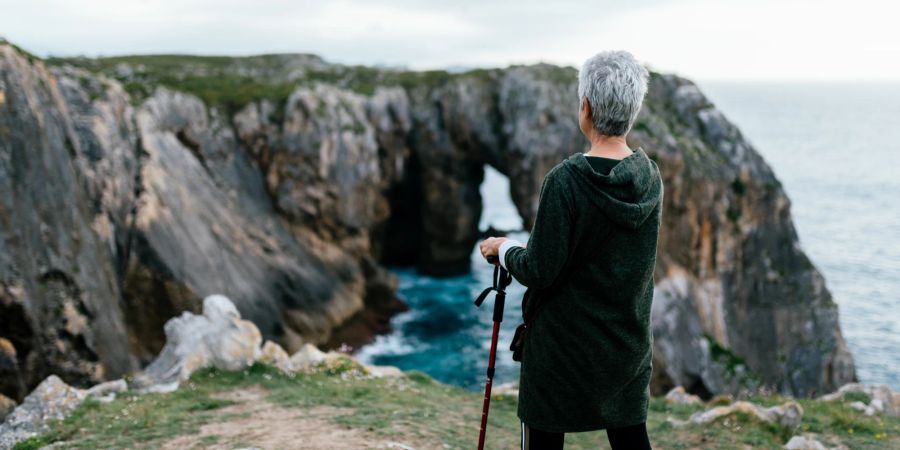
(416, 409)
(223, 81)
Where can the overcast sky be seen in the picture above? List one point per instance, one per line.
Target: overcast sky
(702, 39)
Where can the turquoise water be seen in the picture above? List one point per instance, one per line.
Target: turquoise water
(835, 147)
(444, 334)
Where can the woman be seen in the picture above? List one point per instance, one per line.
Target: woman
(589, 269)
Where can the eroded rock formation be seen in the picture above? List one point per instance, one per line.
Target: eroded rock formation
(123, 208)
(59, 296)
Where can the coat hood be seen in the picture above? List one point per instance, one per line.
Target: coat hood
(628, 195)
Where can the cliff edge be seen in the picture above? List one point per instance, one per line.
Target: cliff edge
(132, 187)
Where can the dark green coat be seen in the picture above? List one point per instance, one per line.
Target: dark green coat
(589, 266)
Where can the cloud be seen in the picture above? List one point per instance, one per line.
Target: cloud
(761, 39)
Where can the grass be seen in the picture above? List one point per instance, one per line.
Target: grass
(28, 55)
(231, 83)
(729, 360)
(418, 407)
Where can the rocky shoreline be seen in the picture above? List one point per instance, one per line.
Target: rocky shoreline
(134, 187)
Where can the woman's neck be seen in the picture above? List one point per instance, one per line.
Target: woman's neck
(613, 147)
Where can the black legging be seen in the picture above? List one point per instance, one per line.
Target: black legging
(632, 437)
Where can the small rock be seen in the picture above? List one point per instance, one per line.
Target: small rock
(721, 400)
(308, 356)
(385, 371)
(161, 388)
(273, 355)
(787, 415)
(398, 445)
(804, 443)
(506, 390)
(859, 406)
(218, 338)
(53, 399)
(676, 423)
(109, 388)
(678, 396)
(883, 399)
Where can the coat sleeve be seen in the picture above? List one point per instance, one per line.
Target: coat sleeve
(539, 263)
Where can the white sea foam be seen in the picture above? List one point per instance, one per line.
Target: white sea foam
(393, 344)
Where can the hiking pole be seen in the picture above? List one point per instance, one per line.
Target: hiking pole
(502, 278)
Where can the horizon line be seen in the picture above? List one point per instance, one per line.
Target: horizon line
(461, 68)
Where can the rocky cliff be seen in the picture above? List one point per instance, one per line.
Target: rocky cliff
(132, 187)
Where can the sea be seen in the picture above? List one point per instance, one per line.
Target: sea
(835, 146)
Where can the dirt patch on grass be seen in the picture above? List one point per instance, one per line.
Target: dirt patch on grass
(255, 422)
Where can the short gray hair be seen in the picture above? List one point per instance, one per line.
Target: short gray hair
(615, 85)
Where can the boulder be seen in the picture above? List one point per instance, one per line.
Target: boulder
(385, 371)
(721, 400)
(307, 357)
(273, 355)
(506, 390)
(218, 338)
(804, 443)
(106, 392)
(53, 399)
(397, 445)
(678, 396)
(881, 399)
(787, 415)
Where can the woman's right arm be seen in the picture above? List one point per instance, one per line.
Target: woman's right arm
(538, 264)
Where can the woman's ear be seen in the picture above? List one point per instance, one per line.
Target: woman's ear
(584, 115)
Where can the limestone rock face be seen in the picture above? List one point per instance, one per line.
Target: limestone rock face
(729, 253)
(325, 167)
(59, 293)
(326, 173)
(204, 224)
(135, 213)
(739, 303)
(539, 108)
(683, 353)
(444, 178)
(219, 338)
